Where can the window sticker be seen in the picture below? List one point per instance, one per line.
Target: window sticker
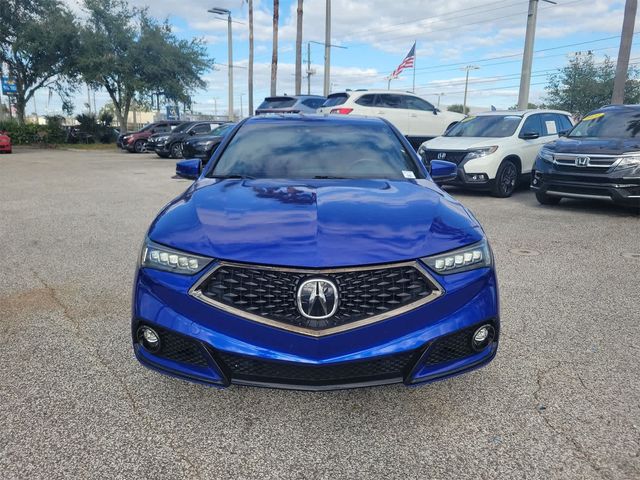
(408, 174)
(551, 127)
(593, 116)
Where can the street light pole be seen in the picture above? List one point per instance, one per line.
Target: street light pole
(327, 48)
(626, 39)
(224, 11)
(466, 84)
(527, 57)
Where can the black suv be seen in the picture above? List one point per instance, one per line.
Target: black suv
(598, 159)
(169, 144)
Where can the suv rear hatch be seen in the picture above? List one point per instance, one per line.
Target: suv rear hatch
(278, 105)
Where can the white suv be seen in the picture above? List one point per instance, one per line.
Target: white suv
(416, 118)
(495, 150)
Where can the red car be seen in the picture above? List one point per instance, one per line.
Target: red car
(5, 142)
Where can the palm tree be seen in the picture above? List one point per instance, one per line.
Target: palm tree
(250, 57)
(274, 56)
(299, 49)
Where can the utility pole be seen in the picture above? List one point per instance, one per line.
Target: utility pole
(466, 84)
(298, 86)
(626, 40)
(308, 68)
(250, 76)
(224, 11)
(327, 48)
(527, 57)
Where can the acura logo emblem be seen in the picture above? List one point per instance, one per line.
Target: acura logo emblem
(442, 155)
(317, 298)
(582, 161)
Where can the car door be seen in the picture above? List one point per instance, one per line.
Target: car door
(532, 136)
(423, 118)
(391, 106)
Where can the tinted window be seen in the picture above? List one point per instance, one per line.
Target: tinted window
(277, 102)
(415, 103)
(202, 128)
(291, 149)
(366, 100)
(313, 102)
(564, 123)
(335, 99)
(611, 124)
(389, 100)
(182, 127)
(223, 129)
(486, 126)
(532, 125)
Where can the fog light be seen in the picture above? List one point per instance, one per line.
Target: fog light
(482, 337)
(149, 338)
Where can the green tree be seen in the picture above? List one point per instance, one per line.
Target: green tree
(37, 43)
(584, 85)
(131, 55)
(457, 108)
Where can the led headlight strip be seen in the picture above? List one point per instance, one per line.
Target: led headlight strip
(168, 259)
(461, 260)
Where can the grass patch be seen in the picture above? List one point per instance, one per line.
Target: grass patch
(90, 146)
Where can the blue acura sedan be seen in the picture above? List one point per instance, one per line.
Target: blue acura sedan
(315, 252)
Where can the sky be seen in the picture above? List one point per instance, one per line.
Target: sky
(377, 34)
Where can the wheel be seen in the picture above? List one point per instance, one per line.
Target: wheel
(140, 146)
(545, 199)
(162, 155)
(506, 179)
(176, 150)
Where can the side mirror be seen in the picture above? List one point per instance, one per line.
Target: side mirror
(190, 168)
(436, 111)
(563, 133)
(192, 132)
(529, 135)
(442, 171)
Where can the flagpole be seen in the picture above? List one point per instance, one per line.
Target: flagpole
(415, 56)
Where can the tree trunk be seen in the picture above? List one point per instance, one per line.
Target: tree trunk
(299, 49)
(251, 58)
(274, 57)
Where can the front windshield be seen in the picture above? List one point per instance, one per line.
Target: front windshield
(222, 130)
(181, 128)
(287, 149)
(620, 124)
(486, 126)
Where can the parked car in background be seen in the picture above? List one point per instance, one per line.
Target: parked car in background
(169, 144)
(598, 159)
(5, 142)
(316, 253)
(496, 150)
(416, 118)
(136, 142)
(291, 104)
(203, 146)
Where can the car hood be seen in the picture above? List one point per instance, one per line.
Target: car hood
(603, 146)
(461, 143)
(321, 223)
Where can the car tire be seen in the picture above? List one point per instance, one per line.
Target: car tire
(176, 150)
(162, 155)
(506, 179)
(140, 146)
(545, 199)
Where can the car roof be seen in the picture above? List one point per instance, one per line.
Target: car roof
(363, 91)
(315, 118)
(519, 112)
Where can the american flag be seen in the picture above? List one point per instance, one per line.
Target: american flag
(406, 63)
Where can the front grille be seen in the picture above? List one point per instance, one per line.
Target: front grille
(596, 163)
(180, 349)
(449, 155)
(363, 293)
(250, 369)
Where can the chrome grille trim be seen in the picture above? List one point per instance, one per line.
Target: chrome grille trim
(595, 160)
(437, 292)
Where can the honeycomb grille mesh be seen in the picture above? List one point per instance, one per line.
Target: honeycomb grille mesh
(180, 349)
(272, 293)
(451, 347)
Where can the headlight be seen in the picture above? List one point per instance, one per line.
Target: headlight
(168, 259)
(204, 144)
(629, 162)
(461, 260)
(480, 152)
(546, 154)
(162, 138)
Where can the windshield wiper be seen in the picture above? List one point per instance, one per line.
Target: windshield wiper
(329, 177)
(225, 177)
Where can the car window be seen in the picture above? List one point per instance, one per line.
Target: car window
(201, 128)
(549, 124)
(223, 129)
(182, 127)
(366, 100)
(313, 102)
(277, 102)
(415, 103)
(161, 128)
(532, 125)
(609, 124)
(389, 100)
(564, 124)
(292, 149)
(485, 126)
(335, 99)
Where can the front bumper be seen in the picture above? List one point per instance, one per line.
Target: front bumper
(5, 147)
(196, 151)
(219, 348)
(607, 186)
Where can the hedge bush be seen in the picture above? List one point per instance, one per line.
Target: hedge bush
(30, 133)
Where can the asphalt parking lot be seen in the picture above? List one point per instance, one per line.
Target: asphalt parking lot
(561, 399)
